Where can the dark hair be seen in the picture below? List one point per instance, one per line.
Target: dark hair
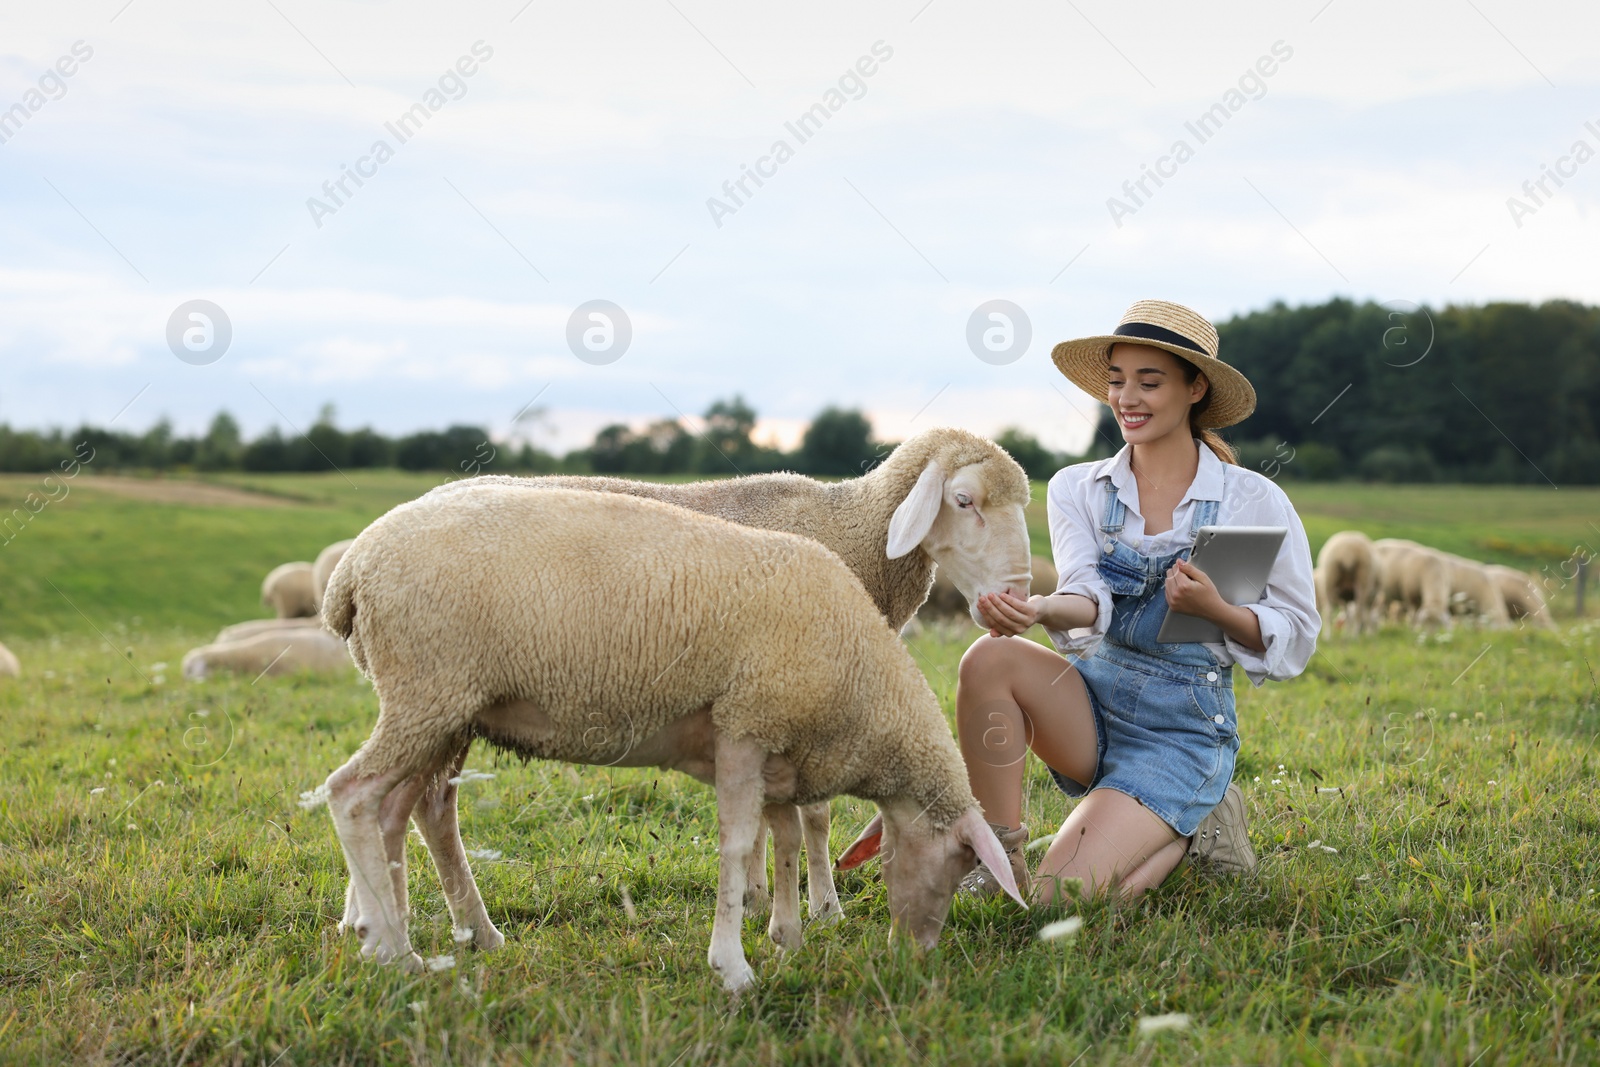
(1208, 437)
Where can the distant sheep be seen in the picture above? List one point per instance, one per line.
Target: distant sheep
(1346, 578)
(750, 659)
(1414, 579)
(1524, 600)
(326, 560)
(240, 630)
(287, 591)
(1474, 591)
(944, 496)
(10, 667)
(276, 652)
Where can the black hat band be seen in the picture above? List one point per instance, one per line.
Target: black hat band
(1150, 332)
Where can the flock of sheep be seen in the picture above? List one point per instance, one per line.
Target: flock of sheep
(1364, 582)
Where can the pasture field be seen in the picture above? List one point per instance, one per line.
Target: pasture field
(1426, 811)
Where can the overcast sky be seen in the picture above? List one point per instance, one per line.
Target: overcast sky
(186, 154)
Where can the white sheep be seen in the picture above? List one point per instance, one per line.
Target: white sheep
(1523, 597)
(604, 629)
(240, 630)
(1346, 578)
(10, 666)
(281, 651)
(1474, 591)
(326, 560)
(287, 590)
(944, 497)
(1414, 579)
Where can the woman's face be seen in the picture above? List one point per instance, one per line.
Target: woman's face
(1148, 393)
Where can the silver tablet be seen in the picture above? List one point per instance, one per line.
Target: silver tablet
(1238, 560)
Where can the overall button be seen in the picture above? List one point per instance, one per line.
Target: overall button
(1110, 545)
(1211, 676)
(1218, 719)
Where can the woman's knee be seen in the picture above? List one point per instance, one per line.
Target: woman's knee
(986, 660)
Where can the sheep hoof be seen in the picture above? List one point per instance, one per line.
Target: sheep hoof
(738, 978)
(487, 938)
(785, 935)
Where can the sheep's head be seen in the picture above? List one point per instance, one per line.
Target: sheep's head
(922, 867)
(966, 511)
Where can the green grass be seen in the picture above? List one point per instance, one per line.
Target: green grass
(193, 920)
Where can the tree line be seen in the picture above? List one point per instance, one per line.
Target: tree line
(1499, 393)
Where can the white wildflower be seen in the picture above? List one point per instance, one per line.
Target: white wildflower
(131, 826)
(314, 798)
(417, 1005)
(461, 934)
(1151, 1024)
(470, 775)
(158, 666)
(1277, 781)
(1061, 928)
(1363, 877)
(1329, 848)
(1040, 842)
(440, 963)
(97, 790)
(1491, 781)
(1315, 843)
(1327, 789)
(488, 855)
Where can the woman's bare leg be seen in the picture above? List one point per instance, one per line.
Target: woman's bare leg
(1012, 695)
(1110, 840)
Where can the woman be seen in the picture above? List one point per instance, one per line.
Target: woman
(1144, 732)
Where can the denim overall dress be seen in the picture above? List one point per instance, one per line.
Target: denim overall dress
(1163, 713)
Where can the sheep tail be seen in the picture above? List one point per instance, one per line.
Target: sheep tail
(339, 599)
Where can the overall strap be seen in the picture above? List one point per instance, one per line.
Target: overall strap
(1114, 510)
(1204, 514)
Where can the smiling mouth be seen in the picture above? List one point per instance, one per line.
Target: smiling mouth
(1131, 419)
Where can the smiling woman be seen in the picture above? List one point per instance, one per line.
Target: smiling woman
(1144, 731)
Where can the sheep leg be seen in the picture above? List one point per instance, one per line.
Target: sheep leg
(822, 896)
(756, 897)
(436, 818)
(740, 790)
(356, 801)
(392, 817)
(784, 926)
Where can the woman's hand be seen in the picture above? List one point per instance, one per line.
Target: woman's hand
(1191, 592)
(1008, 615)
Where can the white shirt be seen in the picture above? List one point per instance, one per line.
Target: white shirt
(1287, 610)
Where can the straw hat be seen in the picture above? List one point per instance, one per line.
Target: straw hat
(1182, 331)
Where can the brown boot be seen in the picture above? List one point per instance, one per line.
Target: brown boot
(1221, 842)
(981, 882)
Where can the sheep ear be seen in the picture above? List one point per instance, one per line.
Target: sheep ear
(914, 517)
(865, 847)
(973, 830)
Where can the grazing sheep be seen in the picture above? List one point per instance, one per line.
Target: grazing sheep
(1346, 578)
(10, 667)
(287, 590)
(301, 648)
(1474, 591)
(1414, 580)
(1523, 597)
(327, 559)
(944, 496)
(605, 629)
(240, 630)
(945, 600)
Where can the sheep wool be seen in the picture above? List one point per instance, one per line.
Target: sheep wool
(594, 621)
(849, 517)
